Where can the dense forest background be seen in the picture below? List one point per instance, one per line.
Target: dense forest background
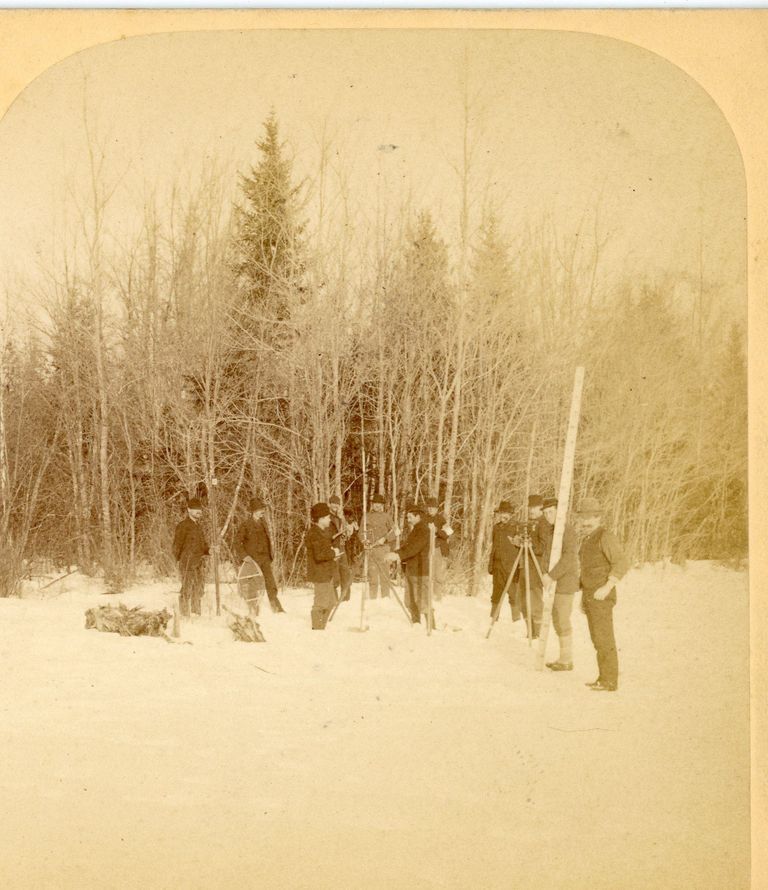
(229, 349)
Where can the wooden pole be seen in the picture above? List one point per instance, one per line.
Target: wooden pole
(364, 523)
(526, 536)
(431, 579)
(563, 497)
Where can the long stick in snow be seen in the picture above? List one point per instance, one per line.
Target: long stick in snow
(526, 568)
(431, 579)
(563, 497)
(364, 592)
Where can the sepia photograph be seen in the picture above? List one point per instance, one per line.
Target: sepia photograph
(373, 460)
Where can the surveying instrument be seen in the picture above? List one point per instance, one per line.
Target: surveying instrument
(525, 550)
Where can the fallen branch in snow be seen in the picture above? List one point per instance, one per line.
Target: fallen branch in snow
(244, 628)
(60, 578)
(127, 622)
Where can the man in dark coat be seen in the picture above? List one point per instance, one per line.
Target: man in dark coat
(501, 561)
(443, 532)
(533, 529)
(321, 558)
(341, 532)
(189, 549)
(252, 539)
(414, 555)
(603, 565)
(565, 574)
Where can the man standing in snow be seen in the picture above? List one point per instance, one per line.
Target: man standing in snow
(565, 574)
(189, 548)
(321, 558)
(379, 535)
(443, 533)
(502, 559)
(414, 555)
(341, 531)
(252, 539)
(603, 565)
(533, 531)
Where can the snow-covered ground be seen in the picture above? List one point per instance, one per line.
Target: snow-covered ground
(383, 759)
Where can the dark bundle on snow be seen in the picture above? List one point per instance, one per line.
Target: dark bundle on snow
(134, 622)
(244, 628)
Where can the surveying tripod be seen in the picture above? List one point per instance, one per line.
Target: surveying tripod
(526, 549)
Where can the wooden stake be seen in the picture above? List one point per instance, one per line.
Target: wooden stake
(563, 497)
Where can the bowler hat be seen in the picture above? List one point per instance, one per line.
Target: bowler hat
(535, 500)
(505, 507)
(549, 502)
(377, 499)
(334, 499)
(414, 509)
(317, 511)
(194, 504)
(590, 507)
(256, 504)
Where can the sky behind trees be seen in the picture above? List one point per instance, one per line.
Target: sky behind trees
(587, 133)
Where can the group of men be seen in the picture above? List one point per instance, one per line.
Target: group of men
(328, 563)
(519, 563)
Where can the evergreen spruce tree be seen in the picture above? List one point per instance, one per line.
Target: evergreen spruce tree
(268, 238)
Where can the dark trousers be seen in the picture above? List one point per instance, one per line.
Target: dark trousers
(191, 589)
(265, 564)
(342, 577)
(324, 601)
(414, 585)
(600, 619)
(500, 578)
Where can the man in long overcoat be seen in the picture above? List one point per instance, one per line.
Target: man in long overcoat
(252, 539)
(189, 549)
(321, 558)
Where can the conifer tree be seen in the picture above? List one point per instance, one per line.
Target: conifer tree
(268, 237)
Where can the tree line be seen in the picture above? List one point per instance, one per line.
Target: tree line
(231, 349)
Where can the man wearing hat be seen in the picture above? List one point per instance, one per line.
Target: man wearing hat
(189, 548)
(414, 555)
(533, 529)
(502, 560)
(565, 574)
(321, 560)
(379, 535)
(443, 533)
(252, 539)
(603, 565)
(341, 531)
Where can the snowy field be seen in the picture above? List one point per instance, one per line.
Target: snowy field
(383, 759)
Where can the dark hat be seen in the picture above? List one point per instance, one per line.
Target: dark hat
(334, 499)
(505, 507)
(256, 504)
(377, 499)
(318, 511)
(194, 504)
(430, 502)
(415, 509)
(535, 500)
(590, 507)
(549, 502)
